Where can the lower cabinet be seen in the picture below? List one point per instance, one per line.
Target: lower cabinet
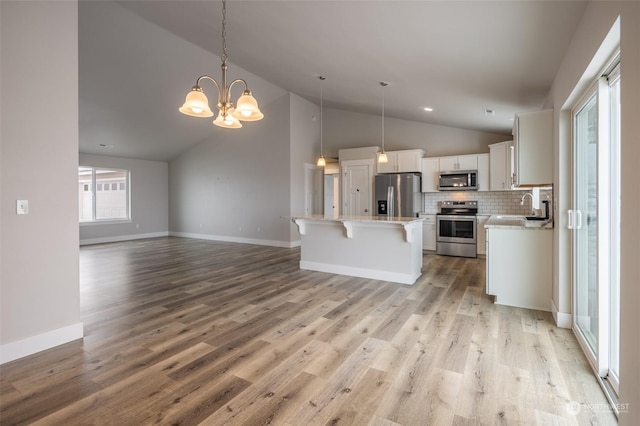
(482, 234)
(519, 267)
(428, 232)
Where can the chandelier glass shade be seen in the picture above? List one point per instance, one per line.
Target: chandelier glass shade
(196, 103)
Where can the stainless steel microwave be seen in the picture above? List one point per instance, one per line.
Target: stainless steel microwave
(458, 180)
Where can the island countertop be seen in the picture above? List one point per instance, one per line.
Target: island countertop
(367, 219)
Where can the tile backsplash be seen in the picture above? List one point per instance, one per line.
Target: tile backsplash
(492, 202)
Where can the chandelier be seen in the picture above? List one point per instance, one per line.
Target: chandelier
(196, 103)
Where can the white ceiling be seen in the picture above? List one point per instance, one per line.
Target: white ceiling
(459, 57)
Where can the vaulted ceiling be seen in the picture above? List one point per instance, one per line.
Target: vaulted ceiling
(139, 58)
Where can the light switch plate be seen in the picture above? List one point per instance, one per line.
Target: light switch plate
(22, 207)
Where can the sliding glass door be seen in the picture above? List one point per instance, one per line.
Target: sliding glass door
(595, 220)
(585, 221)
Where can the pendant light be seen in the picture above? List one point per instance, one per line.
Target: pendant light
(382, 157)
(321, 161)
(196, 103)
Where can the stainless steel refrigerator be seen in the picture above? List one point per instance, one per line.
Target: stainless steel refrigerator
(398, 194)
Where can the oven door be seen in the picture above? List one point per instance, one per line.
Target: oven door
(456, 229)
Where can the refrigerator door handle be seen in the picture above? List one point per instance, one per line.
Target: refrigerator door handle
(390, 203)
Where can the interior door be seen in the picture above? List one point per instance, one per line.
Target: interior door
(357, 187)
(313, 189)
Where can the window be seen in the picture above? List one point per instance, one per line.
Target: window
(99, 197)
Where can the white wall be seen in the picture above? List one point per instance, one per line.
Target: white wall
(236, 187)
(39, 289)
(346, 129)
(149, 200)
(577, 70)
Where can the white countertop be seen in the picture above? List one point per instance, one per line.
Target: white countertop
(516, 222)
(363, 219)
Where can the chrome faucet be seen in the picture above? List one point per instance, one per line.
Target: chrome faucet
(525, 196)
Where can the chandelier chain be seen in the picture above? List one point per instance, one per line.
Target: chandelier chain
(224, 31)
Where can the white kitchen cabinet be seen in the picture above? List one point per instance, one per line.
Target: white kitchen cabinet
(483, 172)
(500, 162)
(460, 162)
(519, 266)
(533, 148)
(430, 169)
(407, 161)
(428, 232)
(482, 233)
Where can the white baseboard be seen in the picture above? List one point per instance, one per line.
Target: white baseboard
(225, 238)
(31, 345)
(351, 271)
(118, 238)
(562, 319)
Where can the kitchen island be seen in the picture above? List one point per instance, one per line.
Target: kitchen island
(381, 248)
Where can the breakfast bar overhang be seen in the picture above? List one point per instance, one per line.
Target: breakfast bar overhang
(381, 248)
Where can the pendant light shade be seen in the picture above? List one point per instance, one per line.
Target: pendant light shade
(196, 104)
(321, 162)
(382, 158)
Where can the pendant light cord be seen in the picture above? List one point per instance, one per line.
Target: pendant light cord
(322, 79)
(383, 84)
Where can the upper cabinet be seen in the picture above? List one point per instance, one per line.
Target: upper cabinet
(430, 169)
(483, 172)
(501, 161)
(407, 161)
(533, 148)
(432, 166)
(460, 162)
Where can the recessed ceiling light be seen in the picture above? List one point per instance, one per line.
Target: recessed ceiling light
(428, 109)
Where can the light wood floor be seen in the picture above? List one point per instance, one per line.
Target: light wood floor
(181, 331)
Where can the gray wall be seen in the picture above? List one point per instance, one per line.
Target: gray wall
(305, 148)
(576, 71)
(236, 187)
(346, 129)
(149, 200)
(39, 288)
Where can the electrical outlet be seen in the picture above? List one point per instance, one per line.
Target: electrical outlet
(22, 206)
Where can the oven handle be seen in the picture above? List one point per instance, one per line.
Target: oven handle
(453, 216)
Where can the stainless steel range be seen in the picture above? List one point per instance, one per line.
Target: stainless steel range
(456, 228)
